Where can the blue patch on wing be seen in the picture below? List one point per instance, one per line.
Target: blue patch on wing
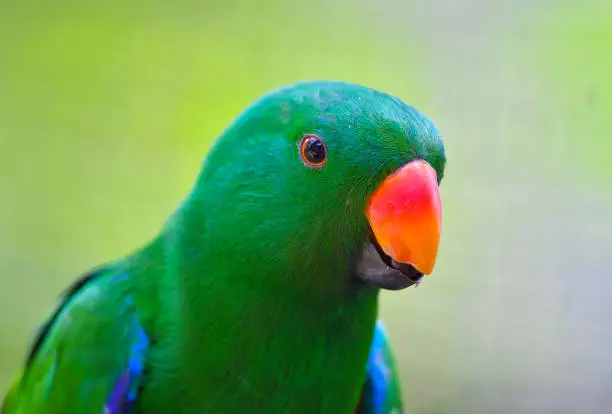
(380, 393)
(378, 373)
(123, 395)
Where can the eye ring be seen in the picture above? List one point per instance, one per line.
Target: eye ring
(313, 151)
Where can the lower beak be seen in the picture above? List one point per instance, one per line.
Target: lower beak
(405, 215)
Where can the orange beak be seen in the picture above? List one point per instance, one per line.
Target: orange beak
(405, 214)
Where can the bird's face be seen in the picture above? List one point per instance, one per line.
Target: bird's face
(340, 177)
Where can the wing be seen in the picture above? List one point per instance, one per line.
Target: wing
(380, 393)
(88, 357)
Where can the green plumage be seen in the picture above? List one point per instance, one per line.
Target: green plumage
(245, 298)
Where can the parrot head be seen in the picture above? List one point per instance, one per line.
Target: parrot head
(330, 183)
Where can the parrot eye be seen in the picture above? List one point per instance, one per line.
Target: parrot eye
(313, 151)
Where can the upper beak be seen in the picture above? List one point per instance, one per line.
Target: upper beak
(405, 214)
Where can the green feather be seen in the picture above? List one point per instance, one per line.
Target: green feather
(84, 351)
(246, 295)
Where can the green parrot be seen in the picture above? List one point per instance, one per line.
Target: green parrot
(260, 293)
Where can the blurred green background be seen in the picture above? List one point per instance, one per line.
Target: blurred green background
(107, 108)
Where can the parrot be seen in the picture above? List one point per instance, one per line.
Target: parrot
(260, 292)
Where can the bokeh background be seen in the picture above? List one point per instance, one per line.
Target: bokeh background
(107, 108)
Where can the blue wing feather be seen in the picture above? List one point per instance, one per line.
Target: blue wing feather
(380, 394)
(125, 390)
